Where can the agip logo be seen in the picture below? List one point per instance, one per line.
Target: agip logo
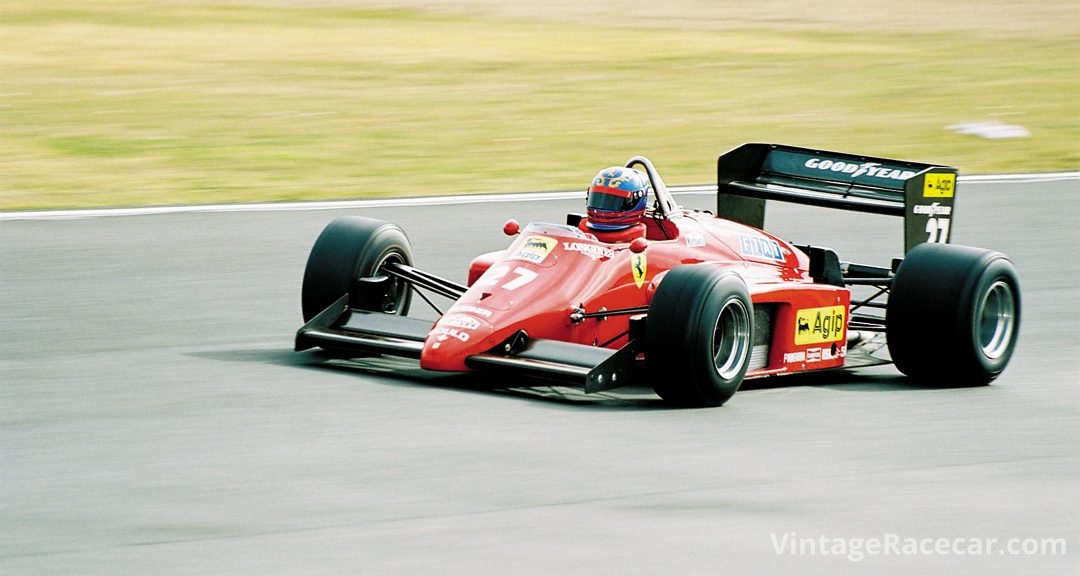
(535, 249)
(939, 186)
(819, 325)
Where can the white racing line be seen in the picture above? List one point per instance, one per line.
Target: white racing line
(429, 201)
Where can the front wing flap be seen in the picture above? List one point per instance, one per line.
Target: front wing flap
(341, 328)
(593, 368)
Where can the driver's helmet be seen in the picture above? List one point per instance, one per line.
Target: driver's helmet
(617, 198)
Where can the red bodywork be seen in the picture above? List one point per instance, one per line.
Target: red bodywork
(551, 271)
(565, 304)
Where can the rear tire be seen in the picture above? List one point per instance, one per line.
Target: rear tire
(353, 247)
(953, 314)
(699, 336)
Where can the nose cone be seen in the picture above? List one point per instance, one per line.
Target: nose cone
(453, 338)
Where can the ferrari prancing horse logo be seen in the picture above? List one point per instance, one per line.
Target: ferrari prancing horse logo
(639, 265)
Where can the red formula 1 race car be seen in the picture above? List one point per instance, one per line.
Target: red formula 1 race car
(695, 302)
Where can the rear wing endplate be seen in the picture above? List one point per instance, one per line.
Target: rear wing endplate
(922, 194)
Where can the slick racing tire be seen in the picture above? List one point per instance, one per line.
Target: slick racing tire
(350, 248)
(953, 314)
(699, 336)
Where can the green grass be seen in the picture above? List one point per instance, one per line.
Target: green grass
(135, 103)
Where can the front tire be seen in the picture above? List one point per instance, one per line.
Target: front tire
(953, 314)
(699, 336)
(353, 247)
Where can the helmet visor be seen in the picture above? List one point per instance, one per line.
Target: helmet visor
(608, 201)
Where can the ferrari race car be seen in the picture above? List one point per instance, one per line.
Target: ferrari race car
(698, 302)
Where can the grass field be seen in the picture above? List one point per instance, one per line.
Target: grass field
(114, 102)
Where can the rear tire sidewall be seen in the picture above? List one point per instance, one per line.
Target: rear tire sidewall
(352, 247)
(997, 271)
(934, 317)
(681, 336)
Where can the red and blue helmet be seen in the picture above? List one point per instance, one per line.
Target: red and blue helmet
(617, 198)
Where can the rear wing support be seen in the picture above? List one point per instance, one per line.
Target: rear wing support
(922, 194)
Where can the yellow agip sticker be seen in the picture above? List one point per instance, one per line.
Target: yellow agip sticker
(819, 325)
(939, 186)
(535, 249)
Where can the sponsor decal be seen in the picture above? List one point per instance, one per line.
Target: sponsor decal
(535, 249)
(934, 209)
(819, 325)
(474, 310)
(695, 239)
(814, 355)
(756, 247)
(442, 334)
(939, 186)
(833, 353)
(855, 170)
(460, 321)
(594, 251)
(639, 266)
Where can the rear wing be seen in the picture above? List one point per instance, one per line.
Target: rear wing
(922, 194)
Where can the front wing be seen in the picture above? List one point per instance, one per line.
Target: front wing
(342, 328)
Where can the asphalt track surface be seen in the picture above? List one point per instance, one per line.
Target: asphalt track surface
(154, 420)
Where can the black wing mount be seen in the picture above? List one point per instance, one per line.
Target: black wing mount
(922, 194)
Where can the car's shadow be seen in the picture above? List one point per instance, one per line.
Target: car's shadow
(391, 371)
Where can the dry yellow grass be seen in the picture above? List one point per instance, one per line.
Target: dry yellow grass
(994, 17)
(120, 102)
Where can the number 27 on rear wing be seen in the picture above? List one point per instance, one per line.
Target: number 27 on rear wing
(923, 194)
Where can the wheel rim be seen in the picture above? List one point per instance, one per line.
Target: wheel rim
(996, 318)
(395, 295)
(731, 339)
